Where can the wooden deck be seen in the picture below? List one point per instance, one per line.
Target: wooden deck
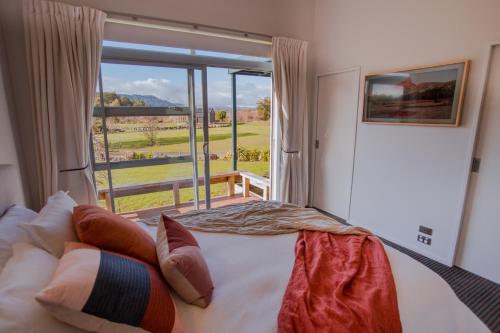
(249, 184)
(185, 207)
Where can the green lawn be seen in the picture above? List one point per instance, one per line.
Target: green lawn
(253, 135)
(250, 135)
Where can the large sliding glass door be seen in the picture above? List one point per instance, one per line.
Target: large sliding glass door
(178, 132)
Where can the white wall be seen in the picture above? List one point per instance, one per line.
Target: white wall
(405, 176)
(8, 154)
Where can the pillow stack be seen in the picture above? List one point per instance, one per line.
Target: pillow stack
(117, 278)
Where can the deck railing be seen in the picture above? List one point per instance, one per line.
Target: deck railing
(230, 178)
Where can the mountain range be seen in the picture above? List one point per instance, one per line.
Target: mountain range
(154, 101)
(150, 100)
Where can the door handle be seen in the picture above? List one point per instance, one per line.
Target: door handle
(205, 148)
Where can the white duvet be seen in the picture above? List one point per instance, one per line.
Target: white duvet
(250, 274)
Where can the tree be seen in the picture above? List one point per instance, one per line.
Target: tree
(220, 116)
(138, 102)
(264, 108)
(114, 99)
(125, 101)
(151, 131)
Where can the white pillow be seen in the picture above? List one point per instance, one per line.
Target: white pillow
(28, 271)
(53, 225)
(9, 231)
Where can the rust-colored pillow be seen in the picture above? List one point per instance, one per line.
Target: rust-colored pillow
(111, 232)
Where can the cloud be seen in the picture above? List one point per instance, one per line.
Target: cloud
(248, 93)
(219, 92)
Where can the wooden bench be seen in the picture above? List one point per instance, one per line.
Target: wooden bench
(249, 178)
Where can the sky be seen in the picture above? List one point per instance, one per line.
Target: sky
(171, 83)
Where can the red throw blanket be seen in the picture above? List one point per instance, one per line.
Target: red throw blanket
(339, 283)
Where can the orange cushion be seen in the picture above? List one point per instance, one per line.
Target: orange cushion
(111, 232)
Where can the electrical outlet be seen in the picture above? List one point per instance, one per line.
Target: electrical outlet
(424, 239)
(425, 230)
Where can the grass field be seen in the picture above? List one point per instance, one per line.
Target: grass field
(252, 135)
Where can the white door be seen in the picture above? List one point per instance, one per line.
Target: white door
(480, 248)
(335, 133)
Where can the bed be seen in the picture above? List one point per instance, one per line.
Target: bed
(250, 274)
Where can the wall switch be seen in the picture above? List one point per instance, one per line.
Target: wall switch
(424, 239)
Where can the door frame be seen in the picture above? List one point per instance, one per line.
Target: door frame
(315, 130)
(476, 123)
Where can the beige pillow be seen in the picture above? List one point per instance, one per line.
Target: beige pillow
(53, 226)
(25, 274)
(182, 263)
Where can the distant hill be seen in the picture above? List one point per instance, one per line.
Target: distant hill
(150, 100)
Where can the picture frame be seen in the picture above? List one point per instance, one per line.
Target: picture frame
(426, 96)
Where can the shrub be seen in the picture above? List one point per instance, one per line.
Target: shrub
(265, 155)
(220, 116)
(141, 156)
(249, 155)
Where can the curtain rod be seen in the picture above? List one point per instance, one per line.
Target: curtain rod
(185, 27)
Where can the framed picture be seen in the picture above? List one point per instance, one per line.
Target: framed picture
(417, 96)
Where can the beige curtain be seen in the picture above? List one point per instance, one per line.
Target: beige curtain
(63, 46)
(290, 106)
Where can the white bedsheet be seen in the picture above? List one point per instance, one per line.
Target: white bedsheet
(250, 274)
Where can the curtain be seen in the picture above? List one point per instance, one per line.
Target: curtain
(63, 46)
(290, 106)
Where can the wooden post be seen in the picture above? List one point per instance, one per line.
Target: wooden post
(107, 197)
(246, 186)
(230, 186)
(265, 193)
(177, 197)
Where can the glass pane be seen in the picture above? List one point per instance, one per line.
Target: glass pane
(144, 136)
(147, 47)
(219, 121)
(167, 49)
(254, 129)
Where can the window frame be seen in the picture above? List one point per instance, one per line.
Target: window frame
(190, 62)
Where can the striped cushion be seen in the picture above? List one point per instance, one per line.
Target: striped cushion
(182, 263)
(102, 291)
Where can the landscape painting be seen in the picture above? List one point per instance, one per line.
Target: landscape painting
(422, 96)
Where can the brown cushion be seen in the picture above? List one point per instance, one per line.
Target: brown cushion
(111, 232)
(182, 263)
